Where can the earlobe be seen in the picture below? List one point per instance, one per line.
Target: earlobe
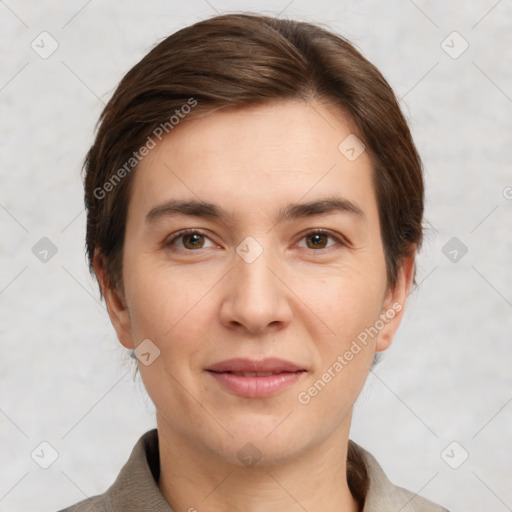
(115, 302)
(394, 305)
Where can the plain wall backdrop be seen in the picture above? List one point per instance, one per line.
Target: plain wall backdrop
(440, 394)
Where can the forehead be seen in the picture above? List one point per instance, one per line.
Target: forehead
(254, 157)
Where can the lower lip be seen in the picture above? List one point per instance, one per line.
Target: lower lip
(256, 386)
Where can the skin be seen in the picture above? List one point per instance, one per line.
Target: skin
(303, 299)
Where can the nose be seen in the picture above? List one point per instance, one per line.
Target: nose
(257, 298)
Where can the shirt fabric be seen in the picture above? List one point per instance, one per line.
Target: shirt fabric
(136, 488)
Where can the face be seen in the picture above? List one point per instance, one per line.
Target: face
(265, 314)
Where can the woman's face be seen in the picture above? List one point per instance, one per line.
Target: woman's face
(254, 280)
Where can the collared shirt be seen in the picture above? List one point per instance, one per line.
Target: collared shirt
(136, 488)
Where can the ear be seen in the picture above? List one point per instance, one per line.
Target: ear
(394, 304)
(116, 306)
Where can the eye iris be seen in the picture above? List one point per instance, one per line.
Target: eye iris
(318, 239)
(196, 237)
(192, 241)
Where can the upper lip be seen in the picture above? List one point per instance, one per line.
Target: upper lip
(251, 365)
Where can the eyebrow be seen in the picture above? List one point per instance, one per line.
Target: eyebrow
(292, 211)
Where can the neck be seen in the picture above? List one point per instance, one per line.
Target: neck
(194, 479)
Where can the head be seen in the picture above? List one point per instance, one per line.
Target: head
(284, 154)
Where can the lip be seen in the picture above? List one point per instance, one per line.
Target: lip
(277, 375)
(271, 364)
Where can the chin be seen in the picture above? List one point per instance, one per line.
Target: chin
(264, 441)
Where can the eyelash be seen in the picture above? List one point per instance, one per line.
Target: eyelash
(186, 232)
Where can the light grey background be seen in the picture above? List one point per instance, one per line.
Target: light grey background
(67, 381)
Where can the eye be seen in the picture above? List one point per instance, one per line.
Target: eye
(319, 237)
(192, 239)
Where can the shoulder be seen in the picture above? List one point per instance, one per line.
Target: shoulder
(381, 495)
(135, 486)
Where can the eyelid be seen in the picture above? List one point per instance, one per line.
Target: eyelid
(336, 236)
(175, 236)
(322, 231)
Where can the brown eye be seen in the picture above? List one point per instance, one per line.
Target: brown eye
(319, 239)
(190, 240)
(193, 241)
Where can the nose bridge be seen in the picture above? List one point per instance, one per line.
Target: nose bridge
(257, 295)
(253, 277)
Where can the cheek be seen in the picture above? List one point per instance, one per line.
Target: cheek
(348, 307)
(152, 302)
(170, 307)
(349, 304)
(354, 308)
(347, 301)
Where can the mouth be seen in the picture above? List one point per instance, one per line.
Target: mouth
(254, 374)
(251, 378)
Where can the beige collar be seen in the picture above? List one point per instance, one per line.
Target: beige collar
(136, 488)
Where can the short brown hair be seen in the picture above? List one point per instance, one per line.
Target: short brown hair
(239, 60)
